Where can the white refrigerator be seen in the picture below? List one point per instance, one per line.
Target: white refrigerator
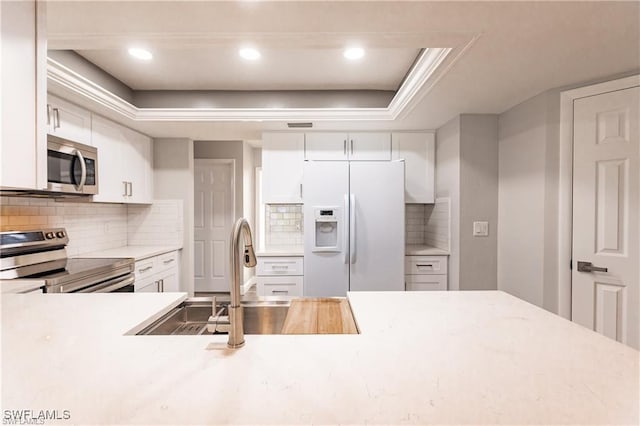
(353, 227)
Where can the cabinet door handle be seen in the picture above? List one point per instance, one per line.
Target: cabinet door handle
(161, 285)
(145, 269)
(166, 262)
(279, 291)
(351, 146)
(300, 190)
(130, 189)
(48, 114)
(344, 145)
(56, 118)
(125, 189)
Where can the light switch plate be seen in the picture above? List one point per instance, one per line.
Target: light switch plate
(480, 229)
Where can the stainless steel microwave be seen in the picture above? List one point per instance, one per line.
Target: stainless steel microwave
(72, 168)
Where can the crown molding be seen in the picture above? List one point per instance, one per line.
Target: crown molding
(415, 85)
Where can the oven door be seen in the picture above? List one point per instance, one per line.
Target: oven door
(116, 285)
(71, 167)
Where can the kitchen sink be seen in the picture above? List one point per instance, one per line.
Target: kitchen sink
(191, 318)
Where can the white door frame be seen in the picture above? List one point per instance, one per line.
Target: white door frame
(212, 161)
(565, 202)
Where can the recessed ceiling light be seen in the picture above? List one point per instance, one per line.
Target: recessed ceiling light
(249, 53)
(139, 53)
(353, 53)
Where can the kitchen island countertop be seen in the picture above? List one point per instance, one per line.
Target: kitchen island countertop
(421, 357)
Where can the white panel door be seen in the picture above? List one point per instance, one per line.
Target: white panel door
(326, 273)
(606, 189)
(282, 161)
(213, 220)
(326, 146)
(376, 226)
(369, 146)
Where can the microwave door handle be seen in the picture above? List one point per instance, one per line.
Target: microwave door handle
(83, 168)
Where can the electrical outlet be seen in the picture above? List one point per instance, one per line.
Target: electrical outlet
(480, 229)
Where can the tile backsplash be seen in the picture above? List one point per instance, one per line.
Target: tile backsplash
(158, 224)
(428, 224)
(96, 226)
(284, 225)
(90, 226)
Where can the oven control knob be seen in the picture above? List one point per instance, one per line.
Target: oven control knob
(60, 234)
(49, 235)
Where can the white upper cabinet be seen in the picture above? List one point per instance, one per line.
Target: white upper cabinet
(360, 146)
(23, 54)
(282, 164)
(418, 152)
(326, 146)
(124, 163)
(68, 121)
(369, 146)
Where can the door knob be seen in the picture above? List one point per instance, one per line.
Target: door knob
(588, 267)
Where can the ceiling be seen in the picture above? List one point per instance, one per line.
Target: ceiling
(220, 67)
(521, 49)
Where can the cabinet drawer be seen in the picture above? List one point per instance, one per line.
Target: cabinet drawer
(280, 286)
(419, 265)
(280, 266)
(145, 268)
(426, 282)
(166, 261)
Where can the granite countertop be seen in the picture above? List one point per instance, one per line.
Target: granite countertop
(136, 252)
(423, 250)
(421, 357)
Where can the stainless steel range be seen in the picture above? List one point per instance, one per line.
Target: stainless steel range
(42, 254)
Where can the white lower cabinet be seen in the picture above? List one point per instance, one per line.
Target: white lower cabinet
(158, 274)
(424, 273)
(280, 276)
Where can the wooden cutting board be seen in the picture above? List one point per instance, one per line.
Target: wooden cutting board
(319, 316)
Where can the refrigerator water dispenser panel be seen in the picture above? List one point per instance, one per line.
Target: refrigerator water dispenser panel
(326, 229)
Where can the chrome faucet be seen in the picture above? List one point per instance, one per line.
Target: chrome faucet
(236, 320)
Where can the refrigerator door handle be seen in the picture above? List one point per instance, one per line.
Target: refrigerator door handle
(352, 228)
(345, 233)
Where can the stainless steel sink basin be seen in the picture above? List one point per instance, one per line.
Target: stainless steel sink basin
(191, 318)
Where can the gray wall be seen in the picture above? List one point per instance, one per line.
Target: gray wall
(478, 200)
(467, 173)
(173, 179)
(528, 200)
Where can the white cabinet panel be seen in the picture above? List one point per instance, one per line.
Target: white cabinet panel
(369, 146)
(326, 146)
(426, 282)
(359, 146)
(68, 121)
(282, 161)
(158, 273)
(280, 266)
(23, 87)
(124, 168)
(425, 273)
(418, 152)
(280, 286)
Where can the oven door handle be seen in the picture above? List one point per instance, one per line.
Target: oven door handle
(83, 168)
(109, 286)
